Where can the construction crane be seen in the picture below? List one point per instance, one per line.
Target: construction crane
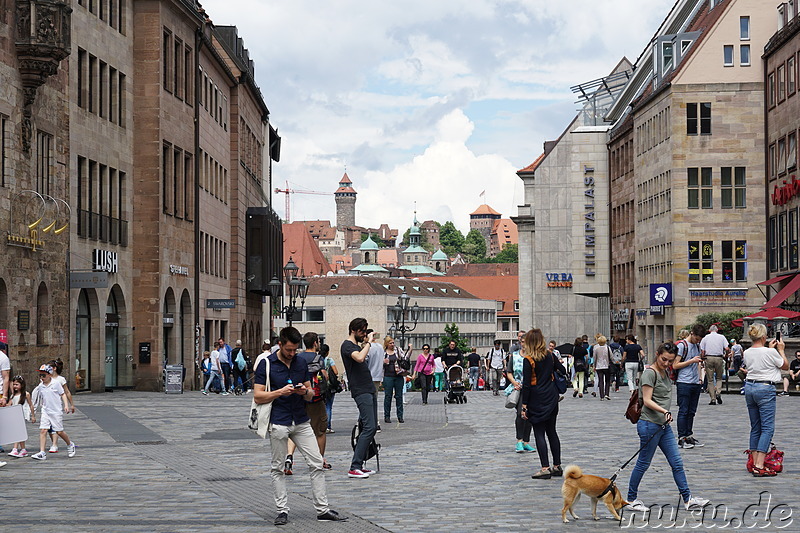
(287, 191)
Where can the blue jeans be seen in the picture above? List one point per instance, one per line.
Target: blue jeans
(369, 426)
(226, 372)
(329, 407)
(474, 374)
(393, 384)
(214, 376)
(665, 440)
(688, 397)
(760, 398)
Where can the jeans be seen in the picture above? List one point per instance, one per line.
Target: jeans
(393, 385)
(329, 407)
(760, 399)
(614, 373)
(603, 381)
(715, 367)
(494, 377)
(213, 376)
(439, 384)
(425, 385)
(226, 371)
(632, 371)
(474, 374)
(688, 397)
(366, 417)
(303, 436)
(547, 428)
(648, 431)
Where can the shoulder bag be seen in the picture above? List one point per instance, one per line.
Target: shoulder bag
(513, 399)
(260, 412)
(559, 377)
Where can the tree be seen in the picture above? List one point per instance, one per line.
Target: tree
(451, 334)
(423, 240)
(723, 322)
(451, 239)
(475, 246)
(377, 240)
(509, 254)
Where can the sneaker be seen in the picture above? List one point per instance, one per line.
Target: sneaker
(367, 471)
(287, 466)
(542, 474)
(2, 464)
(379, 429)
(22, 453)
(608, 397)
(695, 442)
(282, 519)
(636, 506)
(53, 449)
(712, 402)
(357, 474)
(719, 399)
(205, 392)
(528, 448)
(41, 456)
(331, 516)
(226, 393)
(14, 453)
(742, 391)
(520, 448)
(684, 443)
(71, 450)
(557, 471)
(696, 503)
(401, 421)
(387, 420)
(783, 393)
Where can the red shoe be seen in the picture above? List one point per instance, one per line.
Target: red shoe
(763, 472)
(357, 474)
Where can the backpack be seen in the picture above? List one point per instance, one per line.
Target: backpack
(673, 374)
(616, 356)
(319, 376)
(334, 385)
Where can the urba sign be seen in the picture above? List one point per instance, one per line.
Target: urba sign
(555, 279)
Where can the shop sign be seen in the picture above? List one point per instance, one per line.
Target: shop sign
(588, 225)
(555, 279)
(213, 303)
(4, 336)
(179, 270)
(656, 310)
(717, 296)
(660, 295)
(620, 315)
(782, 195)
(104, 260)
(112, 320)
(88, 280)
(23, 320)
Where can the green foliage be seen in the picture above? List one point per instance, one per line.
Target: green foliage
(451, 334)
(451, 239)
(423, 240)
(474, 246)
(723, 322)
(377, 240)
(509, 254)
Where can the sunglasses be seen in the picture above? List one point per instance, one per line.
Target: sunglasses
(17, 378)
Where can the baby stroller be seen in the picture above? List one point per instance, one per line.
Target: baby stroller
(456, 390)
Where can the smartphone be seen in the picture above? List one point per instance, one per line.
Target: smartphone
(778, 336)
(298, 385)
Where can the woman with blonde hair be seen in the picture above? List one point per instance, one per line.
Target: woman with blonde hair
(764, 364)
(540, 400)
(393, 379)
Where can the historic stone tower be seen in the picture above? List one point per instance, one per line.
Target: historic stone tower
(345, 204)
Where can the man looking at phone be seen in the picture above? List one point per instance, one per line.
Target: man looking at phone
(688, 383)
(713, 349)
(362, 388)
(289, 390)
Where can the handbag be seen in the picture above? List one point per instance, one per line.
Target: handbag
(773, 459)
(634, 410)
(260, 412)
(512, 399)
(560, 379)
(641, 365)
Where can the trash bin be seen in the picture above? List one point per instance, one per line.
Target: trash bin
(173, 379)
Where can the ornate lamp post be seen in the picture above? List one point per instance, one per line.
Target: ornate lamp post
(402, 313)
(296, 287)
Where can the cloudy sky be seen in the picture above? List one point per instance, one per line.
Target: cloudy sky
(426, 101)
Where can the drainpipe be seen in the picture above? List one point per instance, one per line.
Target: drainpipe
(198, 42)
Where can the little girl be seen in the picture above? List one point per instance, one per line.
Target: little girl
(58, 369)
(20, 396)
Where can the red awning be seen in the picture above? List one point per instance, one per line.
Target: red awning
(771, 313)
(784, 293)
(774, 280)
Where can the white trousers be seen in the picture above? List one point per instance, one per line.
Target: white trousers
(303, 437)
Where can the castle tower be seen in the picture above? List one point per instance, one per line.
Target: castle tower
(345, 197)
(483, 219)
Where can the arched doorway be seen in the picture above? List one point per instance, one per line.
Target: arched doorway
(118, 355)
(4, 325)
(42, 315)
(186, 329)
(168, 348)
(83, 342)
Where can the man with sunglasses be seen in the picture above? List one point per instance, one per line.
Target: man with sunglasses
(354, 358)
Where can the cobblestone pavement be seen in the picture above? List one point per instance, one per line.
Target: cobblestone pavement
(183, 463)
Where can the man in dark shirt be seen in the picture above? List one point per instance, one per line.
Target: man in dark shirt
(362, 388)
(452, 356)
(474, 361)
(289, 390)
(792, 375)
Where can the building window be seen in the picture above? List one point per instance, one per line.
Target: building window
(783, 242)
(314, 314)
(771, 89)
(781, 83)
(700, 191)
(44, 158)
(166, 60)
(744, 55)
(791, 76)
(705, 118)
(667, 54)
(727, 55)
(3, 148)
(781, 156)
(694, 260)
(733, 181)
(744, 28)
(793, 259)
(791, 151)
(734, 260)
(166, 178)
(691, 119)
(773, 162)
(773, 243)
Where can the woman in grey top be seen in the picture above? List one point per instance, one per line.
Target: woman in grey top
(655, 432)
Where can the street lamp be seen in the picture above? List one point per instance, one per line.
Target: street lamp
(297, 287)
(402, 313)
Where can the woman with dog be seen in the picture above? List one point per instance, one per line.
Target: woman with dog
(540, 400)
(655, 432)
(764, 364)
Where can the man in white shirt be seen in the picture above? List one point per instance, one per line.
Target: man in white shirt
(713, 349)
(54, 405)
(496, 361)
(216, 371)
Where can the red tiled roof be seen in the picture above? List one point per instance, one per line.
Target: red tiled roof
(358, 285)
(533, 166)
(302, 248)
(345, 179)
(499, 288)
(506, 231)
(484, 209)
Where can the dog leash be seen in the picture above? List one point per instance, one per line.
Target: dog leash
(611, 486)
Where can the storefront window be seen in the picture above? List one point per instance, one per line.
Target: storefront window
(83, 343)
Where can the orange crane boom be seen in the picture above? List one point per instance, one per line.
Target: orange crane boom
(287, 191)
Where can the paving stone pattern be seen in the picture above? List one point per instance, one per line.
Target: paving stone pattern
(447, 468)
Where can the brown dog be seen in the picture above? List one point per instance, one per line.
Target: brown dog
(575, 483)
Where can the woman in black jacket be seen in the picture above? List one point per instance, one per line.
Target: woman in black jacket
(579, 354)
(540, 400)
